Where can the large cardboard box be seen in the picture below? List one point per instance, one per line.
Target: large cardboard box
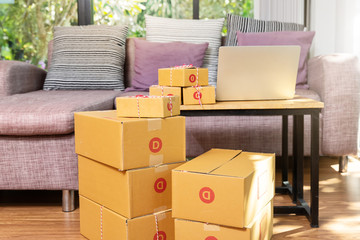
(130, 193)
(157, 90)
(126, 143)
(183, 77)
(199, 95)
(98, 222)
(148, 106)
(260, 229)
(225, 187)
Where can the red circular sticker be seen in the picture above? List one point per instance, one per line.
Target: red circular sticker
(161, 235)
(197, 95)
(142, 96)
(192, 78)
(211, 238)
(206, 195)
(160, 185)
(169, 106)
(170, 94)
(155, 145)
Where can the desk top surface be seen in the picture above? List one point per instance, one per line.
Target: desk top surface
(298, 102)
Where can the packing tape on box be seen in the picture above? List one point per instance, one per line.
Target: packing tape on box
(101, 222)
(262, 184)
(198, 94)
(154, 124)
(160, 209)
(162, 168)
(184, 66)
(160, 216)
(157, 228)
(155, 160)
(170, 106)
(211, 228)
(162, 90)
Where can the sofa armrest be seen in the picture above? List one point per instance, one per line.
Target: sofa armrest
(336, 78)
(20, 77)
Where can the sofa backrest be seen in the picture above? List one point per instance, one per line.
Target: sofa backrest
(129, 59)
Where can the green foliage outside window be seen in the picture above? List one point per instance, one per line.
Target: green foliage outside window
(26, 27)
(132, 12)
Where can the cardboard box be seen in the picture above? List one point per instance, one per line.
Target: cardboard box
(225, 187)
(260, 229)
(199, 95)
(126, 143)
(130, 193)
(141, 106)
(157, 90)
(183, 77)
(97, 222)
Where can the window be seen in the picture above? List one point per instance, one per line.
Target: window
(219, 8)
(132, 12)
(26, 27)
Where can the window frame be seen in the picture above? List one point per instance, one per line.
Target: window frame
(85, 11)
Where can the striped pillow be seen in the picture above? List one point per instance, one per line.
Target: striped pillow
(192, 31)
(237, 23)
(87, 58)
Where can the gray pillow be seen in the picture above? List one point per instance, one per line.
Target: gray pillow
(237, 23)
(87, 58)
(192, 31)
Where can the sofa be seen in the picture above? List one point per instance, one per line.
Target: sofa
(37, 126)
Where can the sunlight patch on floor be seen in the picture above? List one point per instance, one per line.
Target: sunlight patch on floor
(353, 167)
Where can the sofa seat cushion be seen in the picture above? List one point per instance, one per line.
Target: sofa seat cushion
(49, 112)
(308, 93)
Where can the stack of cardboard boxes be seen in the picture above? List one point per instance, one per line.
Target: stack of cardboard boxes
(188, 82)
(224, 194)
(125, 169)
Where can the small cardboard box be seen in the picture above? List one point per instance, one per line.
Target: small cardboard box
(141, 106)
(260, 229)
(199, 95)
(225, 187)
(157, 90)
(98, 222)
(131, 193)
(126, 143)
(183, 77)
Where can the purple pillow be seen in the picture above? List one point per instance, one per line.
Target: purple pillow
(150, 56)
(303, 39)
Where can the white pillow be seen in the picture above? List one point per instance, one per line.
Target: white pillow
(160, 29)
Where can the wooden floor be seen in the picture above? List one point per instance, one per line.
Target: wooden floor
(30, 217)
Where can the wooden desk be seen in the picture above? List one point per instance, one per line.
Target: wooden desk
(297, 107)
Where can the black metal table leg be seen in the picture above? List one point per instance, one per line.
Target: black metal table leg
(314, 208)
(300, 156)
(285, 149)
(294, 160)
(296, 189)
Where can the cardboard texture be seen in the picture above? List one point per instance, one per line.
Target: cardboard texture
(225, 187)
(148, 106)
(127, 143)
(197, 95)
(183, 77)
(260, 229)
(130, 193)
(157, 90)
(98, 222)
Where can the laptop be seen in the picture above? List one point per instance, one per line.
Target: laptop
(257, 72)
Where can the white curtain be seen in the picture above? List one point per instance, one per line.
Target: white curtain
(280, 10)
